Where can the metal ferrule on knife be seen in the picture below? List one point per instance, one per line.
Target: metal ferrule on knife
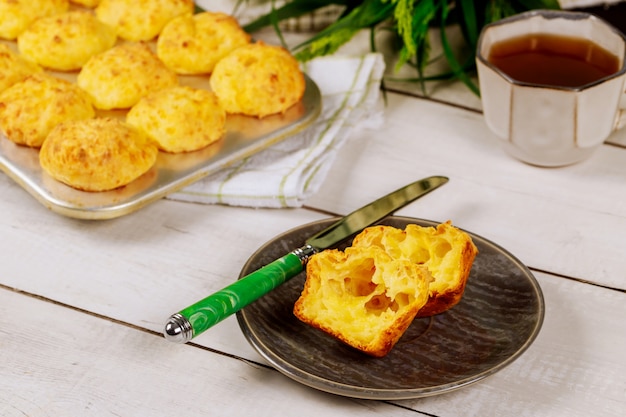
(304, 253)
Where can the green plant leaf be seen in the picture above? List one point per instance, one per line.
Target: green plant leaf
(469, 22)
(424, 13)
(295, 8)
(403, 14)
(368, 14)
(538, 4)
(457, 68)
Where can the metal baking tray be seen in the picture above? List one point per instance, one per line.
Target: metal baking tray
(244, 137)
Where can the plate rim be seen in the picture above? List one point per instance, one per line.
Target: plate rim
(347, 390)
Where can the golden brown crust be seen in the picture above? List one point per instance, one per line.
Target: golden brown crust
(443, 300)
(31, 108)
(17, 15)
(446, 251)
(86, 3)
(362, 297)
(97, 154)
(194, 44)
(141, 22)
(65, 41)
(13, 68)
(119, 77)
(198, 121)
(258, 80)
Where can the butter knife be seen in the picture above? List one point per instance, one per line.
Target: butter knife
(195, 319)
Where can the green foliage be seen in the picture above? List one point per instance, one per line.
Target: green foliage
(403, 14)
(411, 21)
(327, 44)
(459, 70)
(367, 14)
(415, 48)
(292, 9)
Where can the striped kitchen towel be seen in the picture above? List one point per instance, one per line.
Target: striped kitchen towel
(288, 173)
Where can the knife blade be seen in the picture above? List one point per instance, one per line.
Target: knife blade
(188, 323)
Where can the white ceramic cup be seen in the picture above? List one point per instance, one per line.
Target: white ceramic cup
(544, 125)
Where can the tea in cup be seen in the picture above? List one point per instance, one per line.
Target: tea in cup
(551, 84)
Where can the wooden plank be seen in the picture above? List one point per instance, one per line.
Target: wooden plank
(59, 362)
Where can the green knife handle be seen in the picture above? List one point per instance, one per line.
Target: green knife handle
(195, 319)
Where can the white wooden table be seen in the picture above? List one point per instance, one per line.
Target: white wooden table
(82, 303)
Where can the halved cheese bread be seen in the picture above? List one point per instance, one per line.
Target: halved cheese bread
(446, 251)
(362, 297)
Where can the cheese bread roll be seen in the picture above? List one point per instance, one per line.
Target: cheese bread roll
(258, 80)
(179, 119)
(97, 154)
(65, 41)
(194, 44)
(119, 77)
(13, 68)
(86, 3)
(17, 15)
(141, 20)
(31, 108)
